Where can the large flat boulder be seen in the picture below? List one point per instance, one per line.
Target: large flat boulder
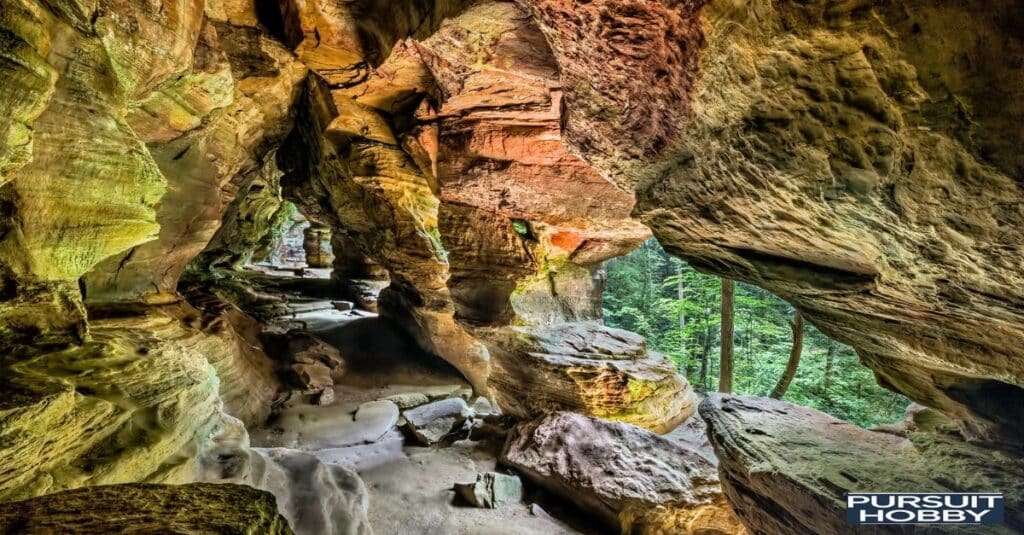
(197, 508)
(634, 480)
(432, 422)
(786, 468)
(588, 368)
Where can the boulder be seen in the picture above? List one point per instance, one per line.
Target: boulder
(312, 377)
(304, 347)
(432, 422)
(786, 468)
(633, 480)
(491, 490)
(314, 365)
(376, 417)
(588, 368)
(315, 497)
(196, 508)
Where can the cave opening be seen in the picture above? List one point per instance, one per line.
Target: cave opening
(678, 310)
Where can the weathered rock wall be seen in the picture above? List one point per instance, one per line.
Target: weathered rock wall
(79, 184)
(133, 126)
(211, 132)
(851, 159)
(134, 404)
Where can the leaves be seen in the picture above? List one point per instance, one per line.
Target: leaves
(677, 309)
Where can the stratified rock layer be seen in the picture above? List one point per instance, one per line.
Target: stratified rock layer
(137, 403)
(590, 369)
(636, 481)
(786, 468)
(198, 508)
(523, 219)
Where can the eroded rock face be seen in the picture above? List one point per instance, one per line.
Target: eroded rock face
(201, 508)
(858, 159)
(211, 133)
(628, 74)
(636, 481)
(127, 106)
(248, 382)
(445, 165)
(79, 185)
(317, 244)
(590, 369)
(786, 468)
(137, 403)
(348, 160)
(853, 162)
(520, 213)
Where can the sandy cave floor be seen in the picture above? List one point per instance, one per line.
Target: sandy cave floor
(410, 487)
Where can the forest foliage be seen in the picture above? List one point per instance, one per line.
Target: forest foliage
(677, 309)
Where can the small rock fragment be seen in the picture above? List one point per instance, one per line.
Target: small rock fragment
(430, 423)
(538, 511)
(323, 397)
(491, 490)
(312, 376)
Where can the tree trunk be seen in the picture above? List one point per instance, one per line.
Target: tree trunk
(725, 364)
(703, 376)
(705, 343)
(827, 380)
(705, 350)
(794, 356)
(681, 298)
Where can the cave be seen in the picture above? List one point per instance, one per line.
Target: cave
(316, 267)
